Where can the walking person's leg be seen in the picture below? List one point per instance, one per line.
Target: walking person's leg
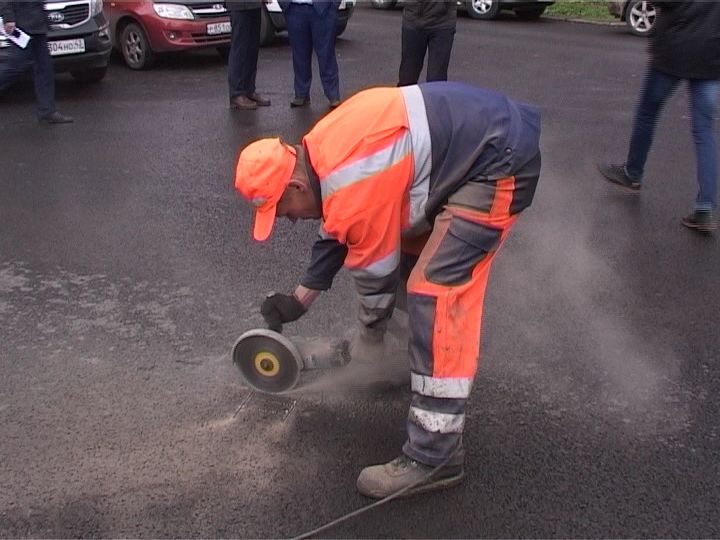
(412, 56)
(703, 108)
(657, 88)
(439, 51)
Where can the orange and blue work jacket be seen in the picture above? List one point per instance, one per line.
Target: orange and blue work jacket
(384, 164)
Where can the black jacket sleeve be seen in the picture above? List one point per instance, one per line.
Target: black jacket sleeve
(327, 258)
(6, 11)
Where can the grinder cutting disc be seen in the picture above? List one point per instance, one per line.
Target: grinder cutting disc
(267, 360)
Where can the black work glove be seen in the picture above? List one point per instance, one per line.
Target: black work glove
(277, 309)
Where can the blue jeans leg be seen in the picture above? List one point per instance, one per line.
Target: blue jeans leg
(703, 107)
(656, 90)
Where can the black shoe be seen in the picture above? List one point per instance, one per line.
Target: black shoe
(617, 174)
(334, 103)
(55, 118)
(300, 101)
(261, 101)
(701, 221)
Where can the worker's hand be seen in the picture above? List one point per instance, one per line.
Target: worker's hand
(281, 308)
(9, 27)
(367, 346)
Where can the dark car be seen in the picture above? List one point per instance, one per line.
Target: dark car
(488, 9)
(78, 39)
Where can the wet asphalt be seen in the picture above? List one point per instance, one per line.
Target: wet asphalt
(127, 272)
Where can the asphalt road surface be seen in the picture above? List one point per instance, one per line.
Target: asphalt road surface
(127, 272)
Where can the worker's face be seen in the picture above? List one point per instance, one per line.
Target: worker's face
(297, 202)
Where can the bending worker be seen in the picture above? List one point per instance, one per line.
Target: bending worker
(431, 178)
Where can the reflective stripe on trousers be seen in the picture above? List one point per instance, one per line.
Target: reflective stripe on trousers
(446, 290)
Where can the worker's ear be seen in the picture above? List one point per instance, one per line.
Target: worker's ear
(297, 184)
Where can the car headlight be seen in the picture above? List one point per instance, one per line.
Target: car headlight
(173, 11)
(96, 7)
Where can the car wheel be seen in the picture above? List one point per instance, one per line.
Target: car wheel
(340, 29)
(135, 47)
(483, 9)
(530, 14)
(224, 52)
(640, 17)
(383, 4)
(267, 30)
(89, 75)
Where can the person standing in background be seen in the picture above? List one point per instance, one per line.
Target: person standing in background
(427, 25)
(245, 16)
(311, 25)
(29, 16)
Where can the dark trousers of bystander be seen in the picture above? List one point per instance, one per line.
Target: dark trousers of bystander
(308, 30)
(438, 44)
(19, 61)
(244, 50)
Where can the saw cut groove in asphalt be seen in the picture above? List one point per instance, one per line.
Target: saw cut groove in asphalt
(264, 404)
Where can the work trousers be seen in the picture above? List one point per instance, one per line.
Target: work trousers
(244, 50)
(307, 31)
(657, 88)
(445, 294)
(437, 43)
(36, 54)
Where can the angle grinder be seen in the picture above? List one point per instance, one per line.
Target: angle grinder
(271, 363)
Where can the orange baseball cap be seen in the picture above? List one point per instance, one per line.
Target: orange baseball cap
(263, 171)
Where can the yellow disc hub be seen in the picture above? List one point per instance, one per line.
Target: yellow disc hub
(266, 363)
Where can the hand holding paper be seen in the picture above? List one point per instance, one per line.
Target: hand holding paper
(14, 34)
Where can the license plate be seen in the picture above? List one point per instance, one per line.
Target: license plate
(214, 29)
(66, 46)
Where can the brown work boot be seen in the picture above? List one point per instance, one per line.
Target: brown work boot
(243, 102)
(261, 101)
(403, 473)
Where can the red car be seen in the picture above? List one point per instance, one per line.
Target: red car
(142, 28)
